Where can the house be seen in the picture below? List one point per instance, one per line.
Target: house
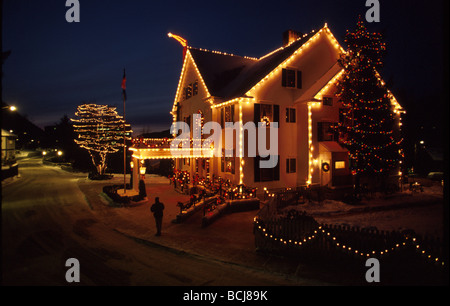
(8, 146)
(10, 167)
(293, 86)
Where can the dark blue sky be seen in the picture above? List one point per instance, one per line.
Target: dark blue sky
(55, 65)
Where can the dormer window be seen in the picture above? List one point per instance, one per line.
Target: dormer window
(291, 78)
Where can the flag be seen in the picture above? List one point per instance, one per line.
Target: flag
(124, 86)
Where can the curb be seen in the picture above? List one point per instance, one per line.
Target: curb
(208, 258)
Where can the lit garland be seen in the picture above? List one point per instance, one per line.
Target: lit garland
(100, 131)
(241, 147)
(345, 247)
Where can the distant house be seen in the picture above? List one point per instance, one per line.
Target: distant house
(293, 85)
(430, 159)
(8, 146)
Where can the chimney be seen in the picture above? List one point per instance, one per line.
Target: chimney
(290, 36)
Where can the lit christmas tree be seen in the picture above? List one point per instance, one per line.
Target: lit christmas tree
(366, 127)
(100, 130)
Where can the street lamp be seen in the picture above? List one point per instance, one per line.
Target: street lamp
(142, 171)
(11, 108)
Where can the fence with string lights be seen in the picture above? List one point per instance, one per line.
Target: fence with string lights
(300, 233)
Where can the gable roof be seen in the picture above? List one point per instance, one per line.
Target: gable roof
(229, 76)
(218, 69)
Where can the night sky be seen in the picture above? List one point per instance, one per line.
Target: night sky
(55, 65)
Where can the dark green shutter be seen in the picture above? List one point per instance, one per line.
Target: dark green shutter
(276, 114)
(299, 79)
(256, 169)
(276, 169)
(319, 131)
(256, 116)
(283, 77)
(232, 114)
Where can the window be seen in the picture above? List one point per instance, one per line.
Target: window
(326, 131)
(227, 164)
(266, 113)
(290, 115)
(327, 101)
(291, 165)
(187, 120)
(195, 88)
(226, 115)
(339, 164)
(291, 78)
(190, 90)
(266, 174)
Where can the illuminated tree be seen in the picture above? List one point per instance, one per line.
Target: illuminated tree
(366, 127)
(100, 130)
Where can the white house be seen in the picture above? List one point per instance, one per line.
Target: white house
(294, 85)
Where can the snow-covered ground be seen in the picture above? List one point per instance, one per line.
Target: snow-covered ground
(421, 212)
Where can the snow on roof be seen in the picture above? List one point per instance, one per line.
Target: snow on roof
(7, 134)
(229, 76)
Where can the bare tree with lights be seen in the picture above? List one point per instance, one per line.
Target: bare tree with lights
(100, 130)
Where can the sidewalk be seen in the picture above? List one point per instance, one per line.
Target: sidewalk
(230, 238)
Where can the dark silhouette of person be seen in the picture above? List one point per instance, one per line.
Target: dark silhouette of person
(157, 210)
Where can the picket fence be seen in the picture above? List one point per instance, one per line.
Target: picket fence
(297, 233)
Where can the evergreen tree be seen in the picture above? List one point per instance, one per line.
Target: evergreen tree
(366, 127)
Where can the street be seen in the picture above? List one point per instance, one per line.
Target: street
(46, 220)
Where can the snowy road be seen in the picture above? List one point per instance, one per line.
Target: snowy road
(46, 220)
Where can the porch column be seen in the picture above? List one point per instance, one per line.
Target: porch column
(135, 174)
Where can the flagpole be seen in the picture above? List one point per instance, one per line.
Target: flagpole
(124, 138)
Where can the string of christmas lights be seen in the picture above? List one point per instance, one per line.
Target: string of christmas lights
(100, 130)
(320, 230)
(367, 128)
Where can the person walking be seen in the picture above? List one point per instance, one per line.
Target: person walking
(157, 210)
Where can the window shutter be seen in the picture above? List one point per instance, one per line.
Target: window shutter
(299, 79)
(276, 170)
(256, 169)
(287, 165)
(276, 114)
(256, 116)
(222, 121)
(292, 115)
(232, 114)
(319, 131)
(283, 77)
(293, 165)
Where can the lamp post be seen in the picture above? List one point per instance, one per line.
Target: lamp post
(124, 96)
